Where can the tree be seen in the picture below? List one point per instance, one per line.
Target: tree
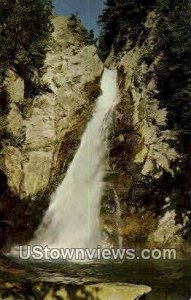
(25, 28)
(121, 19)
(73, 22)
(176, 84)
(90, 38)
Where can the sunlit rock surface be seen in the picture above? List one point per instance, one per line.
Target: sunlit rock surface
(93, 292)
(34, 153)
(144, 156)
(106, 291)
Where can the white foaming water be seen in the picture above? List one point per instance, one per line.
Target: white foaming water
(72, 220)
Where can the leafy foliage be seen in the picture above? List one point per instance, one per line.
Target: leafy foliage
(175, 81)
(90, 38)
(75, 26)
(121, 20)
(175, 93)
(25, 27)
(123, 24)
(124, 19)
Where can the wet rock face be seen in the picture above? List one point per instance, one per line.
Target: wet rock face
(39, 136)
(144, 156)
(30, 155)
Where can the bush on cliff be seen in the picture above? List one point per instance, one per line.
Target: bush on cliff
(171, 42)
(174, 75)
(123, 20)
(25, 28)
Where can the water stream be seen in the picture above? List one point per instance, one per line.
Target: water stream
(72, 220)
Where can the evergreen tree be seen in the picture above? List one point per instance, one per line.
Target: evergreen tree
(25, 27)
(175, 67)
(73, 22)
(121, 19)
(90, 38)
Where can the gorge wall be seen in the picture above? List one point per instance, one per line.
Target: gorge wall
(144, 201)
(39, 136)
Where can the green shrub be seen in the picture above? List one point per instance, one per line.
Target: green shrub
(25, 28)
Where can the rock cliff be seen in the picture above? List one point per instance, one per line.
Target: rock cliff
(40, 135)
(140, 202)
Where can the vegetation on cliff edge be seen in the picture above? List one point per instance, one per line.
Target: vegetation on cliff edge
(123, 28)
(25, 28)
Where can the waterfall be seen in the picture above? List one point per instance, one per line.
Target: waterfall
(72, 220)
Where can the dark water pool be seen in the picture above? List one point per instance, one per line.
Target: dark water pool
(169, 280)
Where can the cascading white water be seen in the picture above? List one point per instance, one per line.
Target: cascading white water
(72, 220)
